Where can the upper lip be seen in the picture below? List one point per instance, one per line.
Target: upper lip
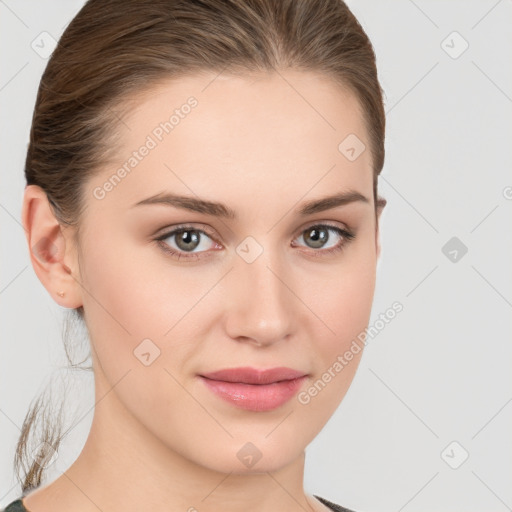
(249, 375)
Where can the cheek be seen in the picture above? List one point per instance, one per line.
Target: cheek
(126, 288)
(345, 295)
(345, 310)
(136, 304)
(120, 304)
(129, 307)
(343, 301)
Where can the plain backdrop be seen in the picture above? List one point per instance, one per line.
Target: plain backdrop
(426, 423)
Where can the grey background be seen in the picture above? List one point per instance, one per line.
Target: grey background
(440, 371)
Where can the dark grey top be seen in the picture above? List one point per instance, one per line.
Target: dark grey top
(17, 506)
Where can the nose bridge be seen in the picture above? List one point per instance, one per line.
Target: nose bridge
(261, 307)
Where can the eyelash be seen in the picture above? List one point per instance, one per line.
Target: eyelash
(346, 235)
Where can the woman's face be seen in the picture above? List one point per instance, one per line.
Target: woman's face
(256, 280)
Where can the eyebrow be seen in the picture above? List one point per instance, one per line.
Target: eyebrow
(221, 210)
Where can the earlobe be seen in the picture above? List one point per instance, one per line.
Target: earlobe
(47, 248)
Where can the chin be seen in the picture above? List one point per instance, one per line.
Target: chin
(253, 455)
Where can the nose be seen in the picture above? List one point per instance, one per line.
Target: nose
(261, 306)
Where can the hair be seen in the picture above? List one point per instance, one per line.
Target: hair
(113, 50)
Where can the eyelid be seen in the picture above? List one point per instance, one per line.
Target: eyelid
(327, 223)
(171, 230)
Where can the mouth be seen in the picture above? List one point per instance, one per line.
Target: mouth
(253, 389)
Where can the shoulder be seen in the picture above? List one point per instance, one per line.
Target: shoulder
(15, 506)
(331, 505)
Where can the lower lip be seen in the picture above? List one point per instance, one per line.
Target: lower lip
(255, 397)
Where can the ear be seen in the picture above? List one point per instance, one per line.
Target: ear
(51, 249)
(381, 203)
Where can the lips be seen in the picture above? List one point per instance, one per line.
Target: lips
(253, 389)
(248, 375)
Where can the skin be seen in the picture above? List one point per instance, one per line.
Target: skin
(257, 145)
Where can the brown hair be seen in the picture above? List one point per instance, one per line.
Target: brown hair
(113, 49)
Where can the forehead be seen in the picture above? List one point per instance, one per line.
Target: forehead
(210, 134)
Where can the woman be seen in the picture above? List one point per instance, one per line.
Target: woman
(202, 191)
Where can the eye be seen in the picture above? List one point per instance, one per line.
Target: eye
(319, 236)
(186, 240)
